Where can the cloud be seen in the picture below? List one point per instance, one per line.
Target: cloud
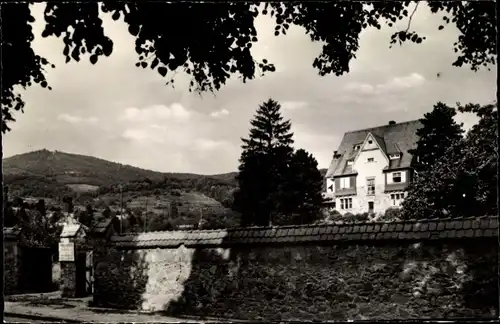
(294, 105)
(406, 82)
(175, 111)
(171, 134)
(395, 84)
(206, 144)
(219, 113)
(173, 130)
(142, 135)
(72, 119)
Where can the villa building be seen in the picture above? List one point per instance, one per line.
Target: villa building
(372, 168)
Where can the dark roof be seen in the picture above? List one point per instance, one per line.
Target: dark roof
(70, 230)
(474, 227)
(101, 226)
(397, 138)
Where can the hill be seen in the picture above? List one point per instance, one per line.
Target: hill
(101, 183)
(69, 168)
(45, 173)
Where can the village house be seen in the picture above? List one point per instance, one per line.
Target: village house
(372, 168)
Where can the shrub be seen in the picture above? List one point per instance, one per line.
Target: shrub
(391, 214)
(335, 216)
(348, 217)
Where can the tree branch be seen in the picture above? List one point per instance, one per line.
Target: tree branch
(411, 16)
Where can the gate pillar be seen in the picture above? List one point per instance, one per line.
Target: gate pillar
(73, 249)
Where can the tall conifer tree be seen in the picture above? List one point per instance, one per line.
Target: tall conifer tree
(264, 161)
(439, 132)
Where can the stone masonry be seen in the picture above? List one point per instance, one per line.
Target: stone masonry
(11, 260)
(400, 270)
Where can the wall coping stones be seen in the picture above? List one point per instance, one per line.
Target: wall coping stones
(472, 227)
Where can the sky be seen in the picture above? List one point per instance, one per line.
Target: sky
(116, 111)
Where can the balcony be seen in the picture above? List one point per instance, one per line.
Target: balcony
(345, 192)
(400, 186)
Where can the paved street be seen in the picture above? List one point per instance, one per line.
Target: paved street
(12, 319)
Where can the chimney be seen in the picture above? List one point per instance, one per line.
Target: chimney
(392, 122)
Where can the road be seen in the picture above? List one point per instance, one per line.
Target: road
(10, 319)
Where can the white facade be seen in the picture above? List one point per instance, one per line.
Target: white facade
(371, 182)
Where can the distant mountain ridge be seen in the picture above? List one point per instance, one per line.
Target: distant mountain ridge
(71, 168)
(44, 173)
(95, 181)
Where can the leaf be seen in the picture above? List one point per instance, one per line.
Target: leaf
(440, 27)
(162, 70)
(116, 15)
(155, 62)
(93, 58)
(133, 30)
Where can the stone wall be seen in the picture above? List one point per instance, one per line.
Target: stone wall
(67, 279)
(11, 266)
(340, 272)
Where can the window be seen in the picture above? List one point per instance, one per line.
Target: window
(349, 163)
(370, 206)
(370, 160)
(357, 147)
(345, 203)
(370, 185)
(396, 177)
(370, 141)
(345, 183)
(395, 156)
(397, 199)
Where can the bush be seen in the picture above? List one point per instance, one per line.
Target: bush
(348, 217)
(391, 214)
(334, 216)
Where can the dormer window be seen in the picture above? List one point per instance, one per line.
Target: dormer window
(395, 156)
(349, 163)
(357, 147)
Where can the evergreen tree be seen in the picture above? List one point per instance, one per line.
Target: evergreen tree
(106, 213)
(265, 157)
(438, 133)
(174, 210)
(41, 208)
(464, 181)
(9, 215)
(303, 189)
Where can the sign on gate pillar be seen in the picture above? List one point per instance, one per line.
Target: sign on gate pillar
(72, 236)
(67, 252)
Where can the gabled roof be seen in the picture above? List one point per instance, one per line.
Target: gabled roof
(101, 227)
(395, 138)
(378, 140)
(70, 230)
